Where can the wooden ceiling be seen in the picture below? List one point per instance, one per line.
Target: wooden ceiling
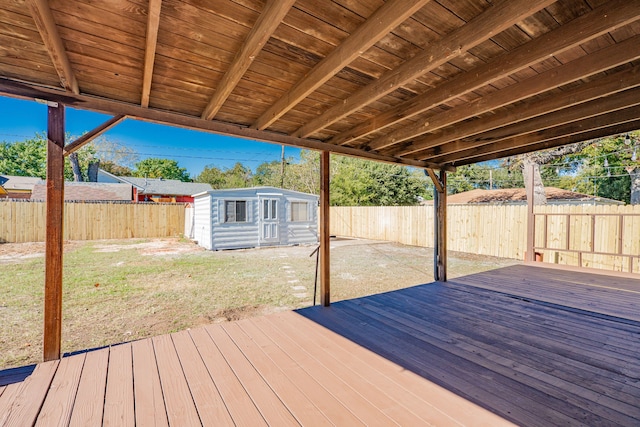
(433, 84)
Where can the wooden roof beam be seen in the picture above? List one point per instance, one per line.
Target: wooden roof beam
(589, 26)
(580, 68)
(41, 14)
(497, 18)
(594, 89)
(92, 134)
(576, 113)
(619, 117)
(386, 18)
(153, 24)
(603, 132)
(31, 91)
(270, 18)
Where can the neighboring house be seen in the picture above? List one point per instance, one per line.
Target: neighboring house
(17, 187)
(88, 191)
(157, 189)
(555, 196)
(254, 217)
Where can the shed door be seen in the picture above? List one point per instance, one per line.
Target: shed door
(269, 220)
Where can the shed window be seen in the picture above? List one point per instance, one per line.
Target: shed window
(299, 211)
(235, 211)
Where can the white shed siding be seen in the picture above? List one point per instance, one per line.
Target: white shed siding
(235, 235)
(202, 212)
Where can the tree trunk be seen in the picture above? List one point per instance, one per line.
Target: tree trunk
(92, 171)
(634, 174)
(75, 166)
(539, 196)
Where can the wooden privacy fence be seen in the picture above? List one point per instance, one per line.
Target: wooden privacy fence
(25, 221)
(501, 230)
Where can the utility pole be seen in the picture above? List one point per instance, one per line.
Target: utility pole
(490, 179)
(282, 170)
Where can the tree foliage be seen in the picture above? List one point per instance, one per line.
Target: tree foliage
(29, 158)
(160, 168)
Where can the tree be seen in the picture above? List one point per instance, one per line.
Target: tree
(160, 168)
(213, 176)
(486, 176)
(29, 158)
(239, 176)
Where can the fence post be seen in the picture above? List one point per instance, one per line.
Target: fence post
(531, 230)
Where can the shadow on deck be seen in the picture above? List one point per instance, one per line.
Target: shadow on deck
(530, 345)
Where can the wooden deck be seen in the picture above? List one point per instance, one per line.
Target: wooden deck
(527, 345)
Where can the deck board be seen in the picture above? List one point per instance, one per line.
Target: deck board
(518, 345)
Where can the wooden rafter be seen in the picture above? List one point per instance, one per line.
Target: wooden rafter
(580, 68)
(153, 24)
(435, 180)
(620, 101)
(614, 129)
(92, 134)
(589, 26)
(591, 90)
(48, 30)
(273, 13)
(28, 91)
(386, 18)
(494, 20)
(626, 115)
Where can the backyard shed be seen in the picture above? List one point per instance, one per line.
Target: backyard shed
(254, 217)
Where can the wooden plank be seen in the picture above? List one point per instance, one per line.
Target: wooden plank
(149, 401)
(92, 134)
(270, 18)
(270, 406)
(27, 401)
(211, 407)
(325, 231)
(151, 40)
(181, 408)
(330, 406)
(46, 25)
(495, 19)
(54, 238)
(301, 407)
(236, 398)
(89, 404)
(118, 400)
(57, 407)
(381, 22)
(6, 400)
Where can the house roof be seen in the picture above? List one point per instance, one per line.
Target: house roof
(430, 83)
(18, 183)
(160, 186)
(510, 195)
(87, 191)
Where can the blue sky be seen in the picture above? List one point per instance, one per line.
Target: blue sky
(193, 150)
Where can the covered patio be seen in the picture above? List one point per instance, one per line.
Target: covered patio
(524, 344)
(432, 84)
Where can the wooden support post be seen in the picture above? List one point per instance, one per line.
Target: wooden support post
(54, 242)
(325, 233)
(531, 233)
(439, 226)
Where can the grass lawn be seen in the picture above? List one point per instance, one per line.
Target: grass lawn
(117, 291)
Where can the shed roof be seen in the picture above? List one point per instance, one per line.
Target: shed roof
(430, 83)
(257, 190)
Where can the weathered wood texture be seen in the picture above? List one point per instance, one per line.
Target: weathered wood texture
(417, 356)
(25, 221)
(385, 80)
(473, 229)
